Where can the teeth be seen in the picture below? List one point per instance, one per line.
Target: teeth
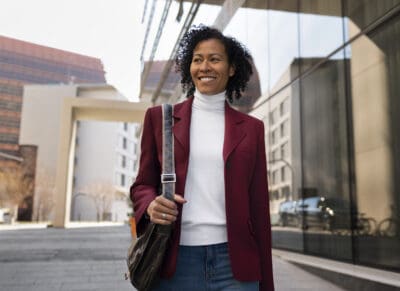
(206, 79)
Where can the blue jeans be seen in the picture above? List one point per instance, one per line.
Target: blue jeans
(204, 268)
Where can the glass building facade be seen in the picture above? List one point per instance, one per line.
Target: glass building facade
(328, 73)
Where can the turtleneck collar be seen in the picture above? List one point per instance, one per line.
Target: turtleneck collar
(209, 102)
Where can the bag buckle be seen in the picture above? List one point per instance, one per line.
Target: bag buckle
(168, 178)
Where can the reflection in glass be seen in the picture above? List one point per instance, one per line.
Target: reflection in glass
(374, 72)
(321, 29)
(255, 20)
(361, 13)
(282, 50)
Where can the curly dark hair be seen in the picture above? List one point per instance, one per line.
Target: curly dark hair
(238, 57)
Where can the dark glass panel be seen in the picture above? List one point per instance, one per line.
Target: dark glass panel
(375, 89)
(361, 13)
(284, 163)
(324, 207)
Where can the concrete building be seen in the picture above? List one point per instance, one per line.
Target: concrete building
(105, 157)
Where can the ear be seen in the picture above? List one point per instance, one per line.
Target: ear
(231, 70)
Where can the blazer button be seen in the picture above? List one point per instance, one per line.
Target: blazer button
(228, 165)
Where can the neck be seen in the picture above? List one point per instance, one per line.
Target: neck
(215, 102)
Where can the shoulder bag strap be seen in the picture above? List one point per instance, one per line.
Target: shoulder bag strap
(168, 176)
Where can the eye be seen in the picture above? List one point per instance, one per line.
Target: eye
(215, 59)
(196, 60)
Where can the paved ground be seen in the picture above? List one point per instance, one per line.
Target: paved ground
(93, 259)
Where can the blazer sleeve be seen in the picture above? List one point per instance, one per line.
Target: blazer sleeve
(260, 212)
(145, 188)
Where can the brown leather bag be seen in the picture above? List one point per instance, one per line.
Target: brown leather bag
(145, 256)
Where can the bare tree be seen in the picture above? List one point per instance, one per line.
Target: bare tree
(45, 195)
(15, 187)
(103, 195)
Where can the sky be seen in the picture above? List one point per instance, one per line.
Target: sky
(106, 29)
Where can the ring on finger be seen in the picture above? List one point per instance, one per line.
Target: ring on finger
(163, 215)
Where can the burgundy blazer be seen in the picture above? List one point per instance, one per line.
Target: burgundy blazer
(246, 190)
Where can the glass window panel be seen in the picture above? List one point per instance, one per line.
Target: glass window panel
(284, 192)
(321, 30)
(254, 20)
(375, 71)
(361, 13)
(325, 165)
(283, 51)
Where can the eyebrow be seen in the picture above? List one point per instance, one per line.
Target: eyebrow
(213, 54)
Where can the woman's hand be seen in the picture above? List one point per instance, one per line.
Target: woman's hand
(164, 211)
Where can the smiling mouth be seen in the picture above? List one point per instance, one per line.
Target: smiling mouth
(207, 79)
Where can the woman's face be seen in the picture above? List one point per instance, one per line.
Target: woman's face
(210, 69)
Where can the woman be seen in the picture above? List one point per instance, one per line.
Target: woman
(221, 237)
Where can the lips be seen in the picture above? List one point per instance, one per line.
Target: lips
(207, 79)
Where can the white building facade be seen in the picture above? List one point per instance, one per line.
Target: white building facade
(105, 158)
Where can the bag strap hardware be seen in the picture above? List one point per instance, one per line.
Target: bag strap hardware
(168, 178)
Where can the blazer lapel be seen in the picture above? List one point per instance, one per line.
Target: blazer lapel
(234, 133)
(182, 116)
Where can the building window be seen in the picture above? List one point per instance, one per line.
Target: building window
(273, 137)
(283, 173)
(275, 194)
(275, 178)
(273, 116)
(122, 180)
(124, 143)
(284, 128)
(275, 155)
(123, 162)
(125, 126)
(284, 150)
(284, 106)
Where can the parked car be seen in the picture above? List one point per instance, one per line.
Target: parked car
(287, 213)
(327, 213)
(5, 215)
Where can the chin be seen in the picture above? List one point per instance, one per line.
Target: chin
(209, 92)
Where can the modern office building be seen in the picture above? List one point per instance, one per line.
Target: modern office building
(105, 159)
(328, 74)
(27, 63)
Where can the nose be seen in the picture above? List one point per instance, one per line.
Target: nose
(204, 67)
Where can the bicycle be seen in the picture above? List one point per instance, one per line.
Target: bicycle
(390, 226)
(365, 225)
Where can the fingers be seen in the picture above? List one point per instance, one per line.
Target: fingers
(179, 199)
(163, 211)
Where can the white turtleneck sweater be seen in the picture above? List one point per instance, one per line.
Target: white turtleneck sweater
(203, 216)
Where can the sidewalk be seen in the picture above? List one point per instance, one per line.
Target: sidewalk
(93, 258)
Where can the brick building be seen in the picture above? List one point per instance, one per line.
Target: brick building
(27, 63)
